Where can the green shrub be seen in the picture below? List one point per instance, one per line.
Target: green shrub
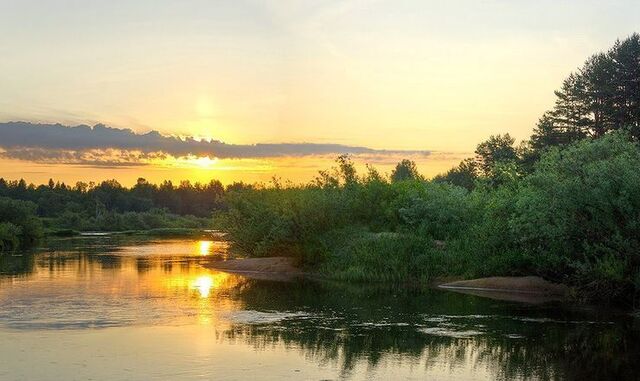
(19, 226)
(436, 210)
(580, 213)
(358, 255)
(9, 236)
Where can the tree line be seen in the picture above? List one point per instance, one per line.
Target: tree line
(106, 206)
(185, 198)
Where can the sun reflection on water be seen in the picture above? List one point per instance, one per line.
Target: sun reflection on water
(204, 247)
(203, 284)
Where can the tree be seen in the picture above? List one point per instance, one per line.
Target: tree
(498, 149)
(602, 96)
(405, 170)
(464, 175)
(347, 170)
(373, 175)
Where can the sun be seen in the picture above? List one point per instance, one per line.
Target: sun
(205, 162)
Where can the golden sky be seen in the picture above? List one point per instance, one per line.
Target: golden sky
(437, 76)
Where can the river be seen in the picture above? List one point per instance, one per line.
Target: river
(109, 308)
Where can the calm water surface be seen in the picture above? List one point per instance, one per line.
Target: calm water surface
(104, 308)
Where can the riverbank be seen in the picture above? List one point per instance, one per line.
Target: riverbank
(523, 285)
(270, 268)
(525, 289)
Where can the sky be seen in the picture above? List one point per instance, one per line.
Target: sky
(433, 78)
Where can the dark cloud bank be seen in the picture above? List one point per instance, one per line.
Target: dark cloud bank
(58, 143)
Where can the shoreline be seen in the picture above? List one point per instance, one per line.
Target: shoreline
(268, 268)
(526, 289)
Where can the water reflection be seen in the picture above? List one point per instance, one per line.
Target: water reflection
(205, 247)
(106, 282)
(355, 331)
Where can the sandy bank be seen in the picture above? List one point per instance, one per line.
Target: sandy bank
(270, 267)
(522, 285)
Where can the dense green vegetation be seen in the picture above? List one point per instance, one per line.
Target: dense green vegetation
(574, 219)
(564, 205)
(109, 206)
(109, 196)
(19, 225)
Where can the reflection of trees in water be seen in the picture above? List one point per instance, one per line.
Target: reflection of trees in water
(349, 324)
(86, 253)
(82, 262)
(58, 258)
(143, 265)
(16, 265)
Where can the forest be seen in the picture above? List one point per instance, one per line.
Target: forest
(564, 204)
(109, 206)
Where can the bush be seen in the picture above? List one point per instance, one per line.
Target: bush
(358, 255)
(267, 222)
(19, 226)
(9, 234)
(579, 214)
(439, 211)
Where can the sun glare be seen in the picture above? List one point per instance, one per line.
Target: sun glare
(191, 161)
(204, 247)
(205, 162)
(203, 285)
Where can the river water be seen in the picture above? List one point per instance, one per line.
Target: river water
(108, 308)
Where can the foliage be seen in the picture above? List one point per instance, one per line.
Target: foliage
(19, 225)
(574, 219)
(463, 175)
(108, 206)
(495, 151)
(437, 211)
(113, 221)
(363, 215)
(602, 96)
(581, 207)
(109, 196)
(405, 170)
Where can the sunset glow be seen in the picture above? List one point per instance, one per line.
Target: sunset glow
(412, 75)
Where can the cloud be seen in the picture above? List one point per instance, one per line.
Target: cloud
(113, 146)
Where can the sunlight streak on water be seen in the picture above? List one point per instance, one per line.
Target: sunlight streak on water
(203, 284)
(204, 247)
